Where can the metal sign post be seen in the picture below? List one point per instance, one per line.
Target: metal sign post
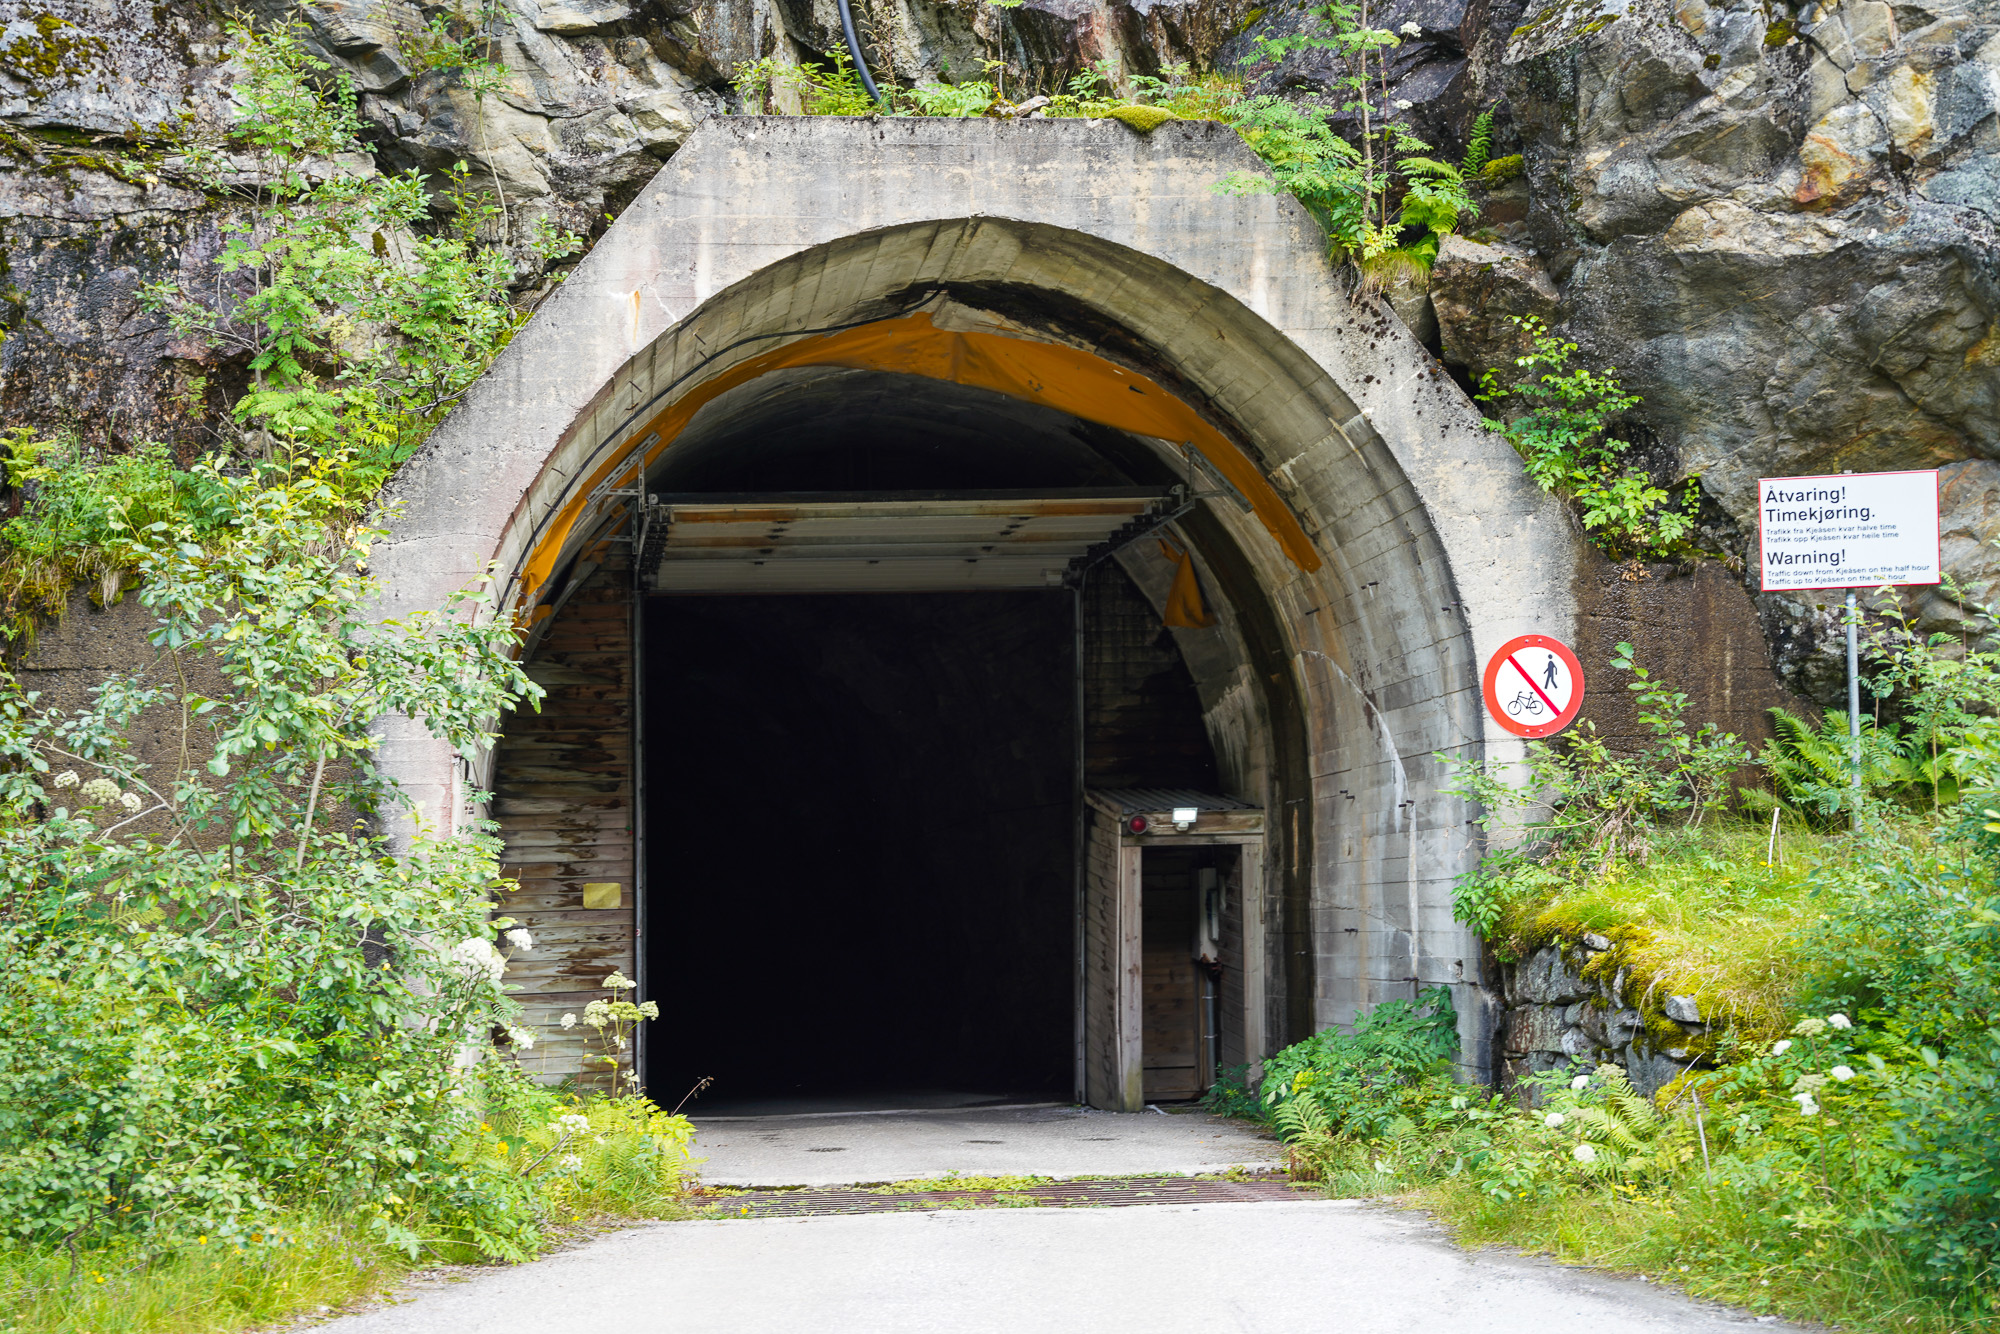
(1851, 531)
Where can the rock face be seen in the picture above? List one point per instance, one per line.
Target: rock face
(596, 95)
(1778, 221)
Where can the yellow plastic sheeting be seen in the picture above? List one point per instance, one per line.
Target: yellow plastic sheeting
(1055, 376)
(1184, 609)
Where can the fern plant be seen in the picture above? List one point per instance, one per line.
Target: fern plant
(1479, 147)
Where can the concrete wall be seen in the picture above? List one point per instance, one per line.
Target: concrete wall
(1343, 681)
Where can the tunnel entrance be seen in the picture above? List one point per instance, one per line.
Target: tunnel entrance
(872, 684)
(859, 862)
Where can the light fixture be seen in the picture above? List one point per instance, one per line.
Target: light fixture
(1185, 816)
(1138, 824)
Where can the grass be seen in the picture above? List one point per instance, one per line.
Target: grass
(1717, 1241)
(196, 1289)
(1704, 916)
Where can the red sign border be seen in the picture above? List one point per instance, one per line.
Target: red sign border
(1500, 655)
(1937, 514)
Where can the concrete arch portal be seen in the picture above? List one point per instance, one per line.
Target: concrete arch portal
(845, 488)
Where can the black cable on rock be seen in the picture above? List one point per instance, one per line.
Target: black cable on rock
(854, 52)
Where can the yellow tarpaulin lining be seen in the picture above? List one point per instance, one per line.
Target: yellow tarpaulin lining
(1058, 377)
(1184, 609)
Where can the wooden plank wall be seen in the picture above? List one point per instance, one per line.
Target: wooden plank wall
(1230, 1002)
(1100, 963)
(1111, 949)
(563, 797)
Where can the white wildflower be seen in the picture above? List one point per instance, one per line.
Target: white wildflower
(1809, 1028)
(476, 955)
(572, 1123)
(570, 1162)
(1404, 104)
(597, 1014)
(67, 778)
(618, 982)
(130, 801)
(520, 939)
(1580, 1082)
(651, 1009)
(569, 1021)
(100, 792)
(1412, 29)
(1807, 1106)
(1584, 1153)
(1780, 1047)
(1839, 1021)
(524, 1038)
(1842, 1073)
(1554, 1120)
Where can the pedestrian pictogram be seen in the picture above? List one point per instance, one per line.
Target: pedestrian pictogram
(1534, 686)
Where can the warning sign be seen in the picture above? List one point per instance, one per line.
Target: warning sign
(1534, 686)
(1850, 530)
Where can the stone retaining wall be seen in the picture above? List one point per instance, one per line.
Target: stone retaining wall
(1573, 1002)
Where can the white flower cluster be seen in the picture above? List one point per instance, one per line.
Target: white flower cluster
(520, 939)
(476, 955)
(1554, 1120)
(572, 1123)
(100, 792)
(524, 1038)
(1584, 1153)
(570, 1162)
(1412, 30)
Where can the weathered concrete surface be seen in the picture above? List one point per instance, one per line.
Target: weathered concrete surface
(1435, 548)
(1167, 1268)
(855, 1148)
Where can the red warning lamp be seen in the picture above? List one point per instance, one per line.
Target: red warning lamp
(1138, 824)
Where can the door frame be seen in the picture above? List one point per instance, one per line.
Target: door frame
(1112, 1050)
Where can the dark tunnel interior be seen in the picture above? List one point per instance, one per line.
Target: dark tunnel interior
(859, 854)
(859, 807)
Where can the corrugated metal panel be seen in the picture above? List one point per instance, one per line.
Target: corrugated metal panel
(823, 544)
(1131, 799)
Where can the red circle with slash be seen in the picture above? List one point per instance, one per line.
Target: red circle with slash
(1534, 686)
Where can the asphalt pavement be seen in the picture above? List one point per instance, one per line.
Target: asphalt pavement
(1295, 1266)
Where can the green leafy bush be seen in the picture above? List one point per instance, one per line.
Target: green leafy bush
(361, 320)
(220, 991)
(1376, 188)
(1559, 420)
(1572, 807)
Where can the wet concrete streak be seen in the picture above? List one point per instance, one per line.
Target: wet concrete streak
(1124, 1193)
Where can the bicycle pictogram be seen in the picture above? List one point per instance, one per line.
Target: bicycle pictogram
(1533, 686)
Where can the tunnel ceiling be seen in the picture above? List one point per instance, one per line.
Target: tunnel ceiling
(827, 542)
(825, 428)
(828, 479)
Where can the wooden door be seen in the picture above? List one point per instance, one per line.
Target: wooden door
(1171, 981)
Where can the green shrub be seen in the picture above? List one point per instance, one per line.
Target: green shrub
(1572, 808)
(219, 993)
(1560, 420)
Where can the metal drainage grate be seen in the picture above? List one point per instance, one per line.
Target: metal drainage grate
(1116, 1194)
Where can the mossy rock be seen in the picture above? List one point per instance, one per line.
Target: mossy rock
(1503, 169)
(1143, 119)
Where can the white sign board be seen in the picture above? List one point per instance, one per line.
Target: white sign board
(1849, 530)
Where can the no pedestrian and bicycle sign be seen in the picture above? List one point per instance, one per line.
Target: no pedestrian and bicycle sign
(1534, 686)
(1849, 530)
